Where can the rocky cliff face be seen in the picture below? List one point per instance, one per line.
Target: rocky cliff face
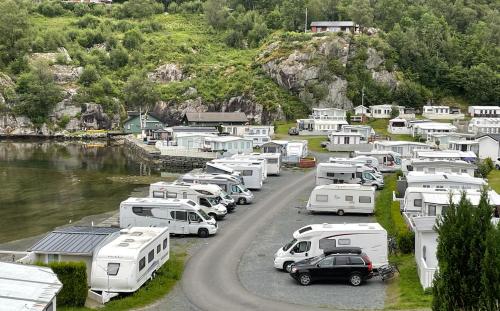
(313, 70)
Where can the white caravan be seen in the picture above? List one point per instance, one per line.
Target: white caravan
(228, 183)
(438, 166)
(370, 162)
(444, 181)
(452, 155)
(342, 199)
(297, 148)
(388, 161)
(214, 168)
(229, 162)
(273, 160)
(313, 240)
(335, 173)
(250, 172)
(179, 215)
(127, 262)
(209, 202)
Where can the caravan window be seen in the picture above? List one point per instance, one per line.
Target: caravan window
(165, 244)
(273, 161)
(179, 215)
(327, 243)
(349, 198)
(321, 198)
(151, 255)
(302, 247)
(142, 211)
(191, 203)
(417, 202)
(158, 249)
(158, 194)
(432, 210)
(365, 199)
(344, 241)
(113, 268)
(171, 195)
(142, 263)
(330, 174)
(246, 173)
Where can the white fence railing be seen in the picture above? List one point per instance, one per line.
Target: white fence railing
(184, 152)
(426, 274)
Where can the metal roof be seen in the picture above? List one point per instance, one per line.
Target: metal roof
(333, 24)
(493, 136)
(73, 240)
(216, 117)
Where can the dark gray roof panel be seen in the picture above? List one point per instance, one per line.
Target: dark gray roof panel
(73, 240)
(216, 117)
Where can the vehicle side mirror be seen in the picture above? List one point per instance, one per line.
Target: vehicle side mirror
(292, 252)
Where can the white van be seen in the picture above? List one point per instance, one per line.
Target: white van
(228, 183)
(209, 201)
(230, 162)
(366, 160)
(179, 215)
(336, 173)
(273, 160)
(310, 241)
(250, 172)
(342, 199)
(127, 262)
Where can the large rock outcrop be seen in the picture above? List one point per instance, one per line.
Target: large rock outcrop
(166, 73)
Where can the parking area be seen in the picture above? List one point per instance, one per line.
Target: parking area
(258, 275)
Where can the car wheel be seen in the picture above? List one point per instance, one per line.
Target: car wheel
(305, 279)
(242, 201)
(287, 266)
(497, 166)
(340, 212)
(376, 187)
(355, 279)
(203, 233)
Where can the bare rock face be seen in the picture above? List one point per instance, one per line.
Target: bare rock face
(65, 73)
(166, 73)
(66, 107)
(51, 57)
(6, 85)
(387, 78)
(74, 124)
(93, 117)
(20, 125)
(374, 59)
(172, 112)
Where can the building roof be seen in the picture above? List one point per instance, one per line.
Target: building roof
(435, 126)
(135, 114)
(192, 129)
(345, 134)
(424, 223)
(333, 24)
(391, 143)
(26, 287)
(73, 240)
(216, 117)
(493, 136)
(224, 139)
(484, 107)
(464, 178)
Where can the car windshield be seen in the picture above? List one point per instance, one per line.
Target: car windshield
(243, 188)
(289, 244)
(212, 201)
(225, 195)
(203, 214)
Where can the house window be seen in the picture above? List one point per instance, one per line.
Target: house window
(142, 263)
(432, 210)
(52, 258)
(151, 255)
(321, 198)
(365, 199)
(346, 140)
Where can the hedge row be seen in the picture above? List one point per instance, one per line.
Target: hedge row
(73, 276)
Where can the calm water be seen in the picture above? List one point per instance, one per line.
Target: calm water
(47, 184)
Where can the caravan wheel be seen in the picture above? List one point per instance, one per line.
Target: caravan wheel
(340, 212)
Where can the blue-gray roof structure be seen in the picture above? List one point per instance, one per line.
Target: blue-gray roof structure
(73, 240)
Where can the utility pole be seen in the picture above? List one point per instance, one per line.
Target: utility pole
(305, 25)
(363, 96)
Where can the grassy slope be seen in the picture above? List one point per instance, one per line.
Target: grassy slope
(314, 142)
(405, 291)
(494, 180)
(165, 279)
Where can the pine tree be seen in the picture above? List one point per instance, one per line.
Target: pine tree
(490, 277)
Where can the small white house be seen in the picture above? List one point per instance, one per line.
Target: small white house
(442, 113)
(259, 134)
(361, 110)
(444, 181)
(464, 145)
(425, 249)
(452, 155)
(322, 121)
(366, 131)
(26, 287)
(442, 140)
(484, 126)
(439, 166)
(347, 142)
(404, 148)
(328, 114)
(384, 111)
(229, 145)
(426, 128)
(192, 140)
(489, 146)
(484, 111)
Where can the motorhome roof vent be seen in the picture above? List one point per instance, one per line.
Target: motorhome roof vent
(129, 240)
(364, 225)
(137, 233)
(123, 244)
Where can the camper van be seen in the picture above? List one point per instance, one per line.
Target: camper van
(229, 162)
(179, 215)
(335, 173)
(227, 183)
(311, 241)
(251, 173)
(273, 160)
(342, 199)
(206, 196)
(214, 168)
(388, 161)
(127, 262)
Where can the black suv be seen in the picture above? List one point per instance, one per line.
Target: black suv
(337, 264)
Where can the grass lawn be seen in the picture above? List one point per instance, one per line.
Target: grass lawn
(405, 291)
(494, 180)
(165, 279)
(380, 127)
(314, 142)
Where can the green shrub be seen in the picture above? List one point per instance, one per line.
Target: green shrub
(88, 21)
(73, 276)
(485, 167)
(89, 75)
(132, 39)
(89, 38)
(406, 242)
(51, 8)
(137, 9)
(336, 67)
(63, 121)
(118, 57)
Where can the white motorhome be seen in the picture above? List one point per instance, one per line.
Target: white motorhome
(220, 169)
(252, 173)
(336, 173)
(179, 215)
(342, 199)
(273, 161)
(230, 161)
(313, 240)
(127, 262)
(365, 160)
(228, 183)
(208, 199)
(388, 161)
(404, 148)
(444, 181)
